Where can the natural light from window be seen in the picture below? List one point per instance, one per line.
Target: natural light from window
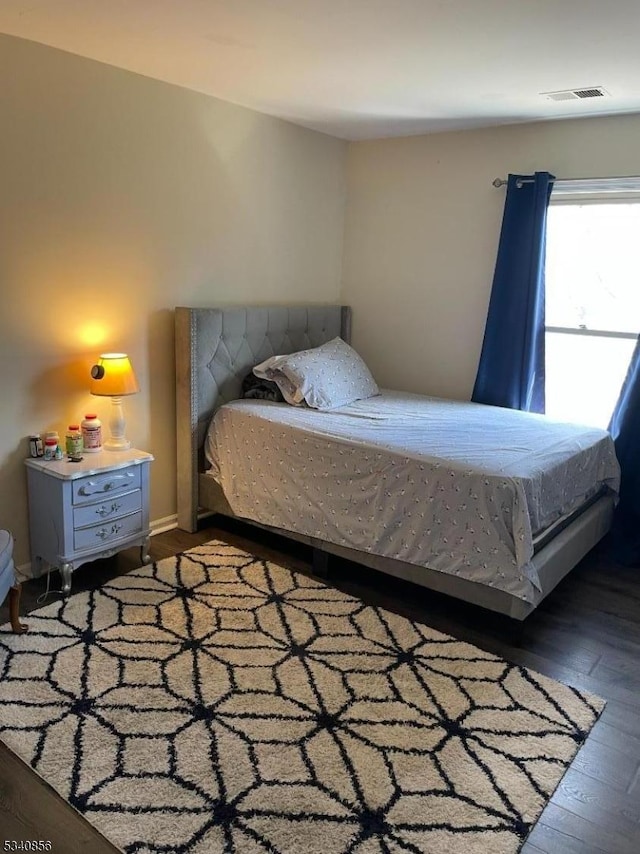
(592, 306)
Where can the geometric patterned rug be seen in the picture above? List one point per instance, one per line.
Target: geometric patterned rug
(216, 702)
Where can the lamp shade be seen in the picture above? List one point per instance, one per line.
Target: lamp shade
(113, 376)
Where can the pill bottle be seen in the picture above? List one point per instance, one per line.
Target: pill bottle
(52, 440)
(50, 446)
(36, 448)
(91, 434)
(73, 441)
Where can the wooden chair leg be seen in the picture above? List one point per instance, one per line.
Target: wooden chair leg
(14, 610)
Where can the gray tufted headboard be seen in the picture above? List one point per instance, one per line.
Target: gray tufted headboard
(215, 349)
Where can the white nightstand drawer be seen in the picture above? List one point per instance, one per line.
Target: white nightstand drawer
(94, 487)
(107, 532)
(110, 508)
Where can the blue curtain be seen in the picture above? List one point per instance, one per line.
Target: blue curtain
(511, 369)
(625, 429)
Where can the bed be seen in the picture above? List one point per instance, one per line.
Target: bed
(499, 532)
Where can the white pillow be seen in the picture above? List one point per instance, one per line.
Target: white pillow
(324, 377)
(268, 370)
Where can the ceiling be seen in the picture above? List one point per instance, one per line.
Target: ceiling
(361, 69)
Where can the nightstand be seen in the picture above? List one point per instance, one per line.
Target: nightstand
(86, 510)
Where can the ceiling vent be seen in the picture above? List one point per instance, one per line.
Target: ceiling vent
(577, 94)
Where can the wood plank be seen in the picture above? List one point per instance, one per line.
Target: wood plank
(615, 769)
(567, 630)
(560, 831)
(610, 735)
(623, 716)
(634, 788)
(585, 796)
(618, 668)
(30, 809)
(550, 840)
(570, 653)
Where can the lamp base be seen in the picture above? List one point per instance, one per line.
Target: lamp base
(114, 444)
(116, 440)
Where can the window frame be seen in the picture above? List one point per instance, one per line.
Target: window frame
(594, 196)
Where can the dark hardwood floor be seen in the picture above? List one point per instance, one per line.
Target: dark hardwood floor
(587, 633)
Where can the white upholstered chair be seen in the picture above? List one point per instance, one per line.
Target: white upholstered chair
(8, 583)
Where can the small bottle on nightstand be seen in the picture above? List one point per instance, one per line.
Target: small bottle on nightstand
(36, 448)
(50, 445)
(73, 441)
(92, 434)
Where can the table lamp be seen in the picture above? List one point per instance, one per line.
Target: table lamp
(113, 377)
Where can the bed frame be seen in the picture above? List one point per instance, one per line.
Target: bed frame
(215, 349)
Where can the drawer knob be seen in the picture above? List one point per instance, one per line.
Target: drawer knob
(103, 511)
(103, 533)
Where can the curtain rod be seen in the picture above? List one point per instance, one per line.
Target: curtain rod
(625, 182)
(502, 182)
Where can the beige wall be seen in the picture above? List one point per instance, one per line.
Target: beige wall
(121, 197)
(422, 229)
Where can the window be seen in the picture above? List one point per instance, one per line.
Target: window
(592, 302)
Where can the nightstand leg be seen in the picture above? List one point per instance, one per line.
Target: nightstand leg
(145, 557)
(14, 610)
(65, 571)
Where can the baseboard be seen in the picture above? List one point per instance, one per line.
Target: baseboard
(167, 523)
(158, 526)
(23, 572)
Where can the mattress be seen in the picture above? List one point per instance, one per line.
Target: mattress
(458, 487)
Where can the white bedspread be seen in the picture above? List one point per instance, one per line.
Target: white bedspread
(458, 487)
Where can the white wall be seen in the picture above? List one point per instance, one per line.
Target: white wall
(120, 198)
(422, 228)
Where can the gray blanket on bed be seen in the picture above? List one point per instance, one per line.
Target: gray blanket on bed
(458, 487)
